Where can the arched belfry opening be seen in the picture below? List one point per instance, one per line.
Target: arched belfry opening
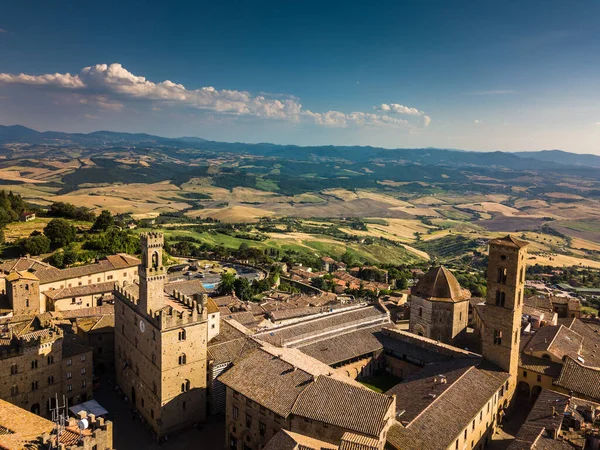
(155, 261)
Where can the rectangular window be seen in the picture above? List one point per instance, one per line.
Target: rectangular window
(69, 362)
(69, 375)
(70, 388)
(235, 412)
(83, 383)
(14, 369)
(83, 357)
(83, 371)
(539, 378)
(248, 421)
(262, 429)
(524, 374)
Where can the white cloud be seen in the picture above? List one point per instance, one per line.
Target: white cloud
(399, 109)
(426, 121)
(109, 87)
(477, 121)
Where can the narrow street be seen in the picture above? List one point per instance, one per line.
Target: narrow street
(130, 434)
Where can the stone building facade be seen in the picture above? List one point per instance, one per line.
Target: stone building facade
(161, 346)
(439, 307)
(38, 362)
(23, 292)
(501, 336)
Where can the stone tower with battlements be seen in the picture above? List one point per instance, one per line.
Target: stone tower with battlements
(152, 273)
(505, 286)
(161, 345)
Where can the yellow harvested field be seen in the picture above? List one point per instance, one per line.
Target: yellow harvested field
(556, 260)
(585, 245)
(15, 175)
(564, 195)
(429, 201)
(415, 211)
(493, 207)
(137, 198)
(232, 214)
(417, 252)
(400, 228)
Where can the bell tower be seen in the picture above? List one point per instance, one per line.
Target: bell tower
(152, 273)
(505, 284)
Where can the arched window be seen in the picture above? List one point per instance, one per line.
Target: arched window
(155, 260)
(182, 359)
(502, 298)
(502, 275)
(522, 274)
(154, 389)
(185, 386)
(153, 358)
(182, 335)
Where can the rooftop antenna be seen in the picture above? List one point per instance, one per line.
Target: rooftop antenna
(60, 418)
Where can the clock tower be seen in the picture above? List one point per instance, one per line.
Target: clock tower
(152, 273)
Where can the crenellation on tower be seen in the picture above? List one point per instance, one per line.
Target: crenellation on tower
(164, 355)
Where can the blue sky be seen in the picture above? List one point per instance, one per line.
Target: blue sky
(479, 75)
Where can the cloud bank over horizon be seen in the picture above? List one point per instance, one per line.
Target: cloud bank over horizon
(111, 87)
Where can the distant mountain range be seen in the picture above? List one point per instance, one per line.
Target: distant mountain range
(536, 160)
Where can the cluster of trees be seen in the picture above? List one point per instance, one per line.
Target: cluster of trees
(576, 277)
(244, 289)
(11, 207)
(71, 245)
(70, 211)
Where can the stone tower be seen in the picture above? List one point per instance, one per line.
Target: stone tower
(152, 273)
(439, 307)
(505, 285)
(161, 345)
(23, 291)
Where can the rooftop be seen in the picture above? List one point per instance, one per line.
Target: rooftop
(509, 241)
(439, 284)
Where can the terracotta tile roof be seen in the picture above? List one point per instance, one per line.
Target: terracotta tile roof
(466, 391)
(539, 365)
(21, 275)
(291, 313)
(582, 380)
(244, 317)
(80, 291)
(230, 344)
(23, 264)
(539, 302)
(332, 323)
(268, 380)
(112, 262)
(211, 307)
(343, 347)
(439, 284)
(226, 300)
(87, 312)
(557, 340)
(22, 426)
(509, 241)
(591, 342)
(337, 403)
(288, 440)
(98, 324)
(546, 417)
(186, 287)
(351, 441)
